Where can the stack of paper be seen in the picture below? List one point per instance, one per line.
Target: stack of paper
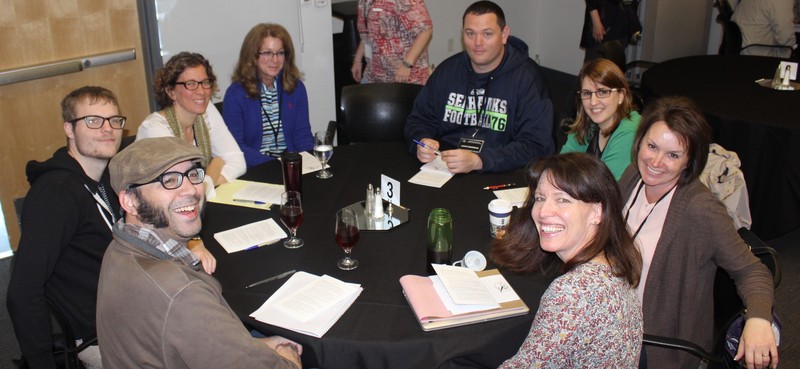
(250, 236)
(516, 196)
(432, 174)
(248, 194)
(308, 304)
(459, 296)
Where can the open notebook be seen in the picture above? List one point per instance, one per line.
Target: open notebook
(435, 308)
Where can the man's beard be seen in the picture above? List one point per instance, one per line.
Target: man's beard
(149, 214)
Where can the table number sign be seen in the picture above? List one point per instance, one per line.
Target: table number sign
(390, 189)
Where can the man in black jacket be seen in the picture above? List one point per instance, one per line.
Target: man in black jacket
(66, 227)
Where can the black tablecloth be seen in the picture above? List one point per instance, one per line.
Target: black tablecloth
(760, 124)
(379, 330)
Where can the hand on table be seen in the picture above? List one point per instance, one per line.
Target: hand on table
(757, 345)
(206, 259)
(461, 161)
(286, 348)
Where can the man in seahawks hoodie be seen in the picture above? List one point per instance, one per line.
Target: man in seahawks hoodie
(484, 109)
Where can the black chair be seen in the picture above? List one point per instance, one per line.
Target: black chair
(727, 307)
(375, 112)
(614, 50)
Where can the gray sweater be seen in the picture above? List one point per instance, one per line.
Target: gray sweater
(155, 313)
(698, 236)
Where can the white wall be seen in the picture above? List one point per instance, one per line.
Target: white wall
(216, 29)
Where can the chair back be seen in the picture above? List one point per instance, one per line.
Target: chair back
(614, 50)
(375, 112)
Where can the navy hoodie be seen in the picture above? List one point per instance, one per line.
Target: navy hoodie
(509, 108)
(65, 233)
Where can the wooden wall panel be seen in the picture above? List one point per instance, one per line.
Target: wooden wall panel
(44, 31)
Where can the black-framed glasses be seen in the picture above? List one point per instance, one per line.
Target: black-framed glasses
(96, 121)
(601, 93)
(192, 85)
(272, 54)
(173, 180)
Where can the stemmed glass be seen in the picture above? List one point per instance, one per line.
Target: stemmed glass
(323, 150)
(292, 217)
(347, 236)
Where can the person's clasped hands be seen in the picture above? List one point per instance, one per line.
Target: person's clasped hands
(457, 160)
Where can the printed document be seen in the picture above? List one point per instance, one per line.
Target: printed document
(433, 174)
(250, 236)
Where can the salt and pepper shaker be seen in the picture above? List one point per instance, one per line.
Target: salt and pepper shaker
(377, 210)
(369, 202)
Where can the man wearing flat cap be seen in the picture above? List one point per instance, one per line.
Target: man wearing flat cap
(155, 307)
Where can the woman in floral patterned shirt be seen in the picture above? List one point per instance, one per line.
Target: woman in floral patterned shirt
(590, 316)
(394, 40)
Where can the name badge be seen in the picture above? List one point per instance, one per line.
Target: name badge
(472, 144)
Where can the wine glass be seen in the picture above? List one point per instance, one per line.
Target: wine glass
(292, 217)
(347, 236)
(323, 150)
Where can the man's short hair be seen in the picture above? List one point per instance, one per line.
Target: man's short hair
(92, 94)
(486, 7)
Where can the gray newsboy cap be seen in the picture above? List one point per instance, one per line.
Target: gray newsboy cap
(146, 159)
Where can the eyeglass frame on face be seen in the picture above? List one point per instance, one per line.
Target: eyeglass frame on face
(601, 93)
(111, 124)
(272, 54)
(206, 83)
(201, 173)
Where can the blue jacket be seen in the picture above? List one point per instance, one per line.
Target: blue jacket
(515, 122)
(242, 115)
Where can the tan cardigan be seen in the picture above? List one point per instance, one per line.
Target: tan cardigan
(698, 236)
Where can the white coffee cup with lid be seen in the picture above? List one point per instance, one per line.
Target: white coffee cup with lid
(499, 217)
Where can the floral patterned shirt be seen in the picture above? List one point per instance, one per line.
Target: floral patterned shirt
(587, 318)
(390, 28)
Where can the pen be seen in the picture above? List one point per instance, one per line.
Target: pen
(270, 279)
(499, 186)
(428, 147)
(251, 201)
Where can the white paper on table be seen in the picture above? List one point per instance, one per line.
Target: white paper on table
(250, 236)
(432, 174)
(264, 192)
(317, 325)
(516, 196)
(464, 286)
(311, 163)
(451, 306)
(315, 297)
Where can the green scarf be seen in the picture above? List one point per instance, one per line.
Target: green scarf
(201, 137)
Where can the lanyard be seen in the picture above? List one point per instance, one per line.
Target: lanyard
(269, 119)
(627, 213)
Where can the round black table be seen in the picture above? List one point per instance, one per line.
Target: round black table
(379, 330)
(761, 125)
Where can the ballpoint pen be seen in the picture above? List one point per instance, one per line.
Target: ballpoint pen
(270, 279)
(499, 186)
(250, 201)
(428, 147)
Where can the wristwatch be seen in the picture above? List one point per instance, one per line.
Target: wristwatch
(407, 64)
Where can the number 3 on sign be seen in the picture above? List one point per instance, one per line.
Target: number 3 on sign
(390, 190)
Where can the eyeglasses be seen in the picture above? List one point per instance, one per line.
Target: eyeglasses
(601, 93)
(272, 54)
(173, 180)
(192, 85)
(96, 121)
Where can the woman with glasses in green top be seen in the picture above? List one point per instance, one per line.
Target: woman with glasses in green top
(606, 122)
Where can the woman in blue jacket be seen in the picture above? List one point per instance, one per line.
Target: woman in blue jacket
(266, 107)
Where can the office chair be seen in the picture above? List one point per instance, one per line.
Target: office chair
(375, 112)
(614, 50)
(727, 308)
